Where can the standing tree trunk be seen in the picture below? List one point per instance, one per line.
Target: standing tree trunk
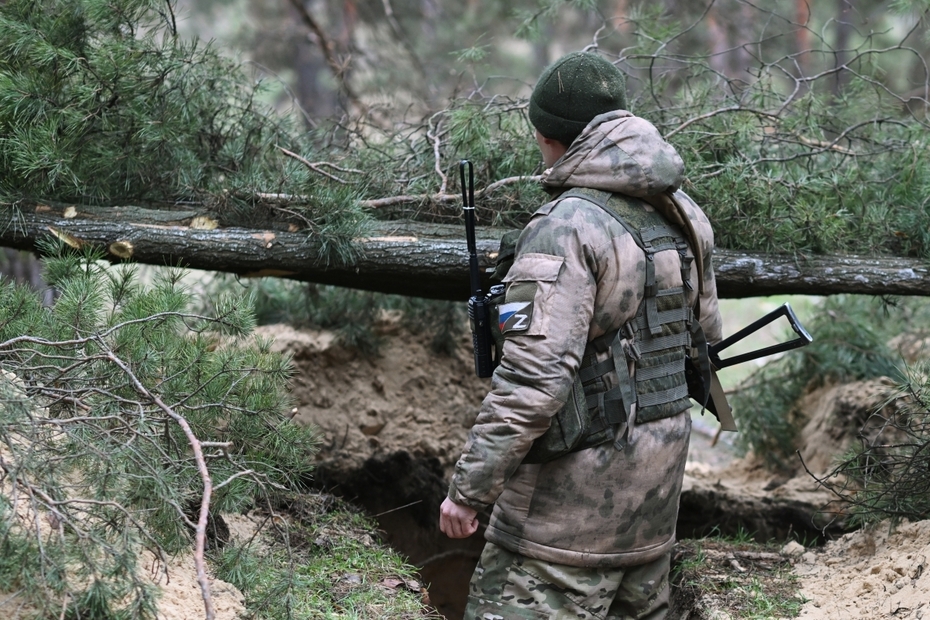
(25, 268)
(840, 47)
(802, 35)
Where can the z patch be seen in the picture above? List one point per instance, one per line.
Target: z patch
(515, 316)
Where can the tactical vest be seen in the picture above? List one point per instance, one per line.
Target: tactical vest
(660, 338)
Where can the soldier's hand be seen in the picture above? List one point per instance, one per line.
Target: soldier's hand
(457, 520)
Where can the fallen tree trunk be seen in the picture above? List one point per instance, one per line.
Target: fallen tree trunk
(406, 258)
(740, 274)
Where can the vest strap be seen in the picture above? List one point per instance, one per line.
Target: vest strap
(654, 343)
(651, 233)
(599, 369)
(602, 342)
(624, 381)
(660, 371)
(664, 396)
(685, 265)
(665, 317)
(651, 345)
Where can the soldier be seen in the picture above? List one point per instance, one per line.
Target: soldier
(610, 287)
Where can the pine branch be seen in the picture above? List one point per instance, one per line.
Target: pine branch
(141, 387)
(442, 197)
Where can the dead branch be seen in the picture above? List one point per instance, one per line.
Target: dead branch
(392, 201)
(200, 537)
(704, 117)
(442, 197)
(433, 135)
(508, 181)
(315, 167)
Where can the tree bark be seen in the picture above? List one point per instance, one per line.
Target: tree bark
(421, 260)
(744, 275)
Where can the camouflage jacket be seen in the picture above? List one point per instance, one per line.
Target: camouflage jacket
(583, 275)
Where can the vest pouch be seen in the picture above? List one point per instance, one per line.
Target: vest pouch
(505, 255)
(568, 428)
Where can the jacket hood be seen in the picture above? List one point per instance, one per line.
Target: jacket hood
(621, 153)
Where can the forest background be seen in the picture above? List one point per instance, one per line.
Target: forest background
(802, 124)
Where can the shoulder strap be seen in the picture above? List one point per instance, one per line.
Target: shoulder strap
(666, 204)
(601, 198)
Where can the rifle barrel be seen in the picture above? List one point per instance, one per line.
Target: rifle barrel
(468, 198)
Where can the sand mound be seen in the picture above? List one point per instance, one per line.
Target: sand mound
(869, 574)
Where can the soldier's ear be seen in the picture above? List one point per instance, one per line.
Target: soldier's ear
(551, 149)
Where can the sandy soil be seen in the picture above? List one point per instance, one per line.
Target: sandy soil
(872, 574)
(181, 598)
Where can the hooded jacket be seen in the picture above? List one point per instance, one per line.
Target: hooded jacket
(577, 275)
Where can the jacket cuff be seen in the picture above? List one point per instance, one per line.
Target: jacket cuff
(456, 496)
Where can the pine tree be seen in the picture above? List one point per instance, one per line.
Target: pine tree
(127, 423)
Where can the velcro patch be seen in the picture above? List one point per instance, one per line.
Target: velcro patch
(515, 316)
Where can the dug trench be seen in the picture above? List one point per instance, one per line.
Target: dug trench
(392, 426)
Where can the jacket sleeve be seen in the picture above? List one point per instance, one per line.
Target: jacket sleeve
(545, 319)
(709, 316)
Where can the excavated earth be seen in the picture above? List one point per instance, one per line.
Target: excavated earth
(393, 425)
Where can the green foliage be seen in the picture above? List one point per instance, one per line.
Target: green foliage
(849, 345)
(832, 160)
(916, 7)
(703, 572)
(412, 167)
(799, 151)
(884, 475)
(91, 86)
(335, 568)
(107, 400)
(475, 53)
(102, 101)
(822, 172)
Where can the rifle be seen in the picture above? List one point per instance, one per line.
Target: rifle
(479, 307)
(706, 389)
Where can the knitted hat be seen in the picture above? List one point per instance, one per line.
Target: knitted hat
(573, 90)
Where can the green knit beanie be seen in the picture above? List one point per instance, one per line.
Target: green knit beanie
(573, 90)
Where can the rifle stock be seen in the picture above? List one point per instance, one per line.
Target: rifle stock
(710, 394)
(785, 310)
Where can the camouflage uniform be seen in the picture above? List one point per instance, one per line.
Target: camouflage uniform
(583, 273)
(507, 586)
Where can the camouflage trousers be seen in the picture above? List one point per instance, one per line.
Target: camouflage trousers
(509, 586)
